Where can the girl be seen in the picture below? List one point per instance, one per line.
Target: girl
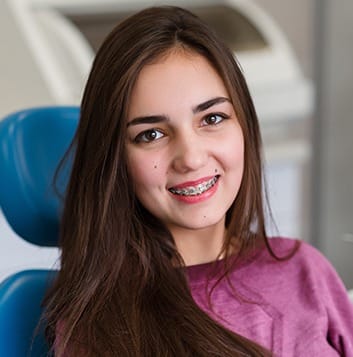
(164, 250)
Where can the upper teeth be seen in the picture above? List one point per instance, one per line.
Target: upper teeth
(195, 190)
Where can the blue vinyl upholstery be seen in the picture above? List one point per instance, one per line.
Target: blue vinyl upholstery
(32, 143)
(20, 298)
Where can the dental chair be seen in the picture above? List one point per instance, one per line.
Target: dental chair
(32, 143)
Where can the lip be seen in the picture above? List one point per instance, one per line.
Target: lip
(197, 198)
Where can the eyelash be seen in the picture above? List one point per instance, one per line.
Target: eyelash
(219, 115)
(141, 137)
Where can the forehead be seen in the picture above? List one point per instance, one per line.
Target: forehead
(178, 79)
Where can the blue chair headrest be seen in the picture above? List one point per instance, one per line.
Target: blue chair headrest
(32, 144)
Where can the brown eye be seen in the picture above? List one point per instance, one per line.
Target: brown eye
(214, 119)
(148, 136)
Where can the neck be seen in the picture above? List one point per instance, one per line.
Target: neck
(198, 246)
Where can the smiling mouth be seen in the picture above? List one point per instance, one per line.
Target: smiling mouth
(195, 190)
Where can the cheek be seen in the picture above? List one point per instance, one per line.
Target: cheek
(232, 152)
(145, 171)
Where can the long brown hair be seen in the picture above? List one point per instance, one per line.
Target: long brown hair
(118, 292)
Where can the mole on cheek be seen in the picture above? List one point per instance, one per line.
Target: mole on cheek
(215, 171)
(155, 166)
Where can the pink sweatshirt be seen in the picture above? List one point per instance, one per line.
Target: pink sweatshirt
(298, 307)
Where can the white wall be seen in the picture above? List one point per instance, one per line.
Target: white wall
(20, 85)
(16, 254)
(334, 130)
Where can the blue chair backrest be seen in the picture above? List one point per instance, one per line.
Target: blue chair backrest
(32, 144)
(20, 311)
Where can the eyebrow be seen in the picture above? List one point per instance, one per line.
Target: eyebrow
(152, 119)
(209, 103)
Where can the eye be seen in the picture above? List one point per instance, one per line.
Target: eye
(148, 135)
(214, 119)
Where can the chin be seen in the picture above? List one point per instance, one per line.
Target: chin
(206, 223)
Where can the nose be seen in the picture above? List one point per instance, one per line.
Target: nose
(189, 154)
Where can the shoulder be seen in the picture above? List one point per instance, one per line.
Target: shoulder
(317, 296)
(307, 261)
(302, 251)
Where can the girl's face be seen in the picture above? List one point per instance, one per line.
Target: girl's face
(185, 146)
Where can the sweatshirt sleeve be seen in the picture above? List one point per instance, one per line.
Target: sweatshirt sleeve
(335, 299)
